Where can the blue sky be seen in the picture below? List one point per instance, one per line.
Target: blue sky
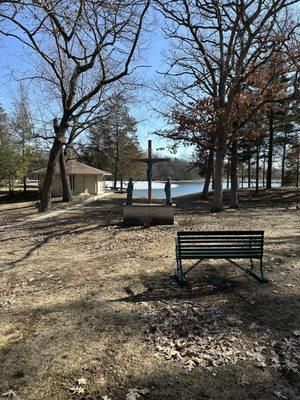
(12, 59)
(12, 62)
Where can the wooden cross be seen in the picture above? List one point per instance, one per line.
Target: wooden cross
(150, 161)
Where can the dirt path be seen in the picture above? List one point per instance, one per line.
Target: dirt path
(83, 298)
(27, 213)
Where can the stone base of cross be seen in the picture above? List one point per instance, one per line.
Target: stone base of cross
(150, 161)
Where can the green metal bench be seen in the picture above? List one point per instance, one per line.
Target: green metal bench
(228, 245)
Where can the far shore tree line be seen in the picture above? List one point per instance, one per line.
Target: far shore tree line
(232, 84)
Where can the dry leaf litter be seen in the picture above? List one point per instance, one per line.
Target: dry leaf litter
(206, 336)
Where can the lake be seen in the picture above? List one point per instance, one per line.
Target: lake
(178, 188)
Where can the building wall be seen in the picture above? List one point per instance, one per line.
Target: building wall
(100, 184)
(80, 185)
(57, 187)
(88, 184)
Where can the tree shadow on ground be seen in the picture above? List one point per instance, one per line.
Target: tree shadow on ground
(98, 215)
(56, 333)
(276, 313)
(18, 197)
(248, 199)
(93, 217)
(162, 287)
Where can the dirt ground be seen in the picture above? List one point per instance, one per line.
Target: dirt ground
(22, 207)
(90, 310)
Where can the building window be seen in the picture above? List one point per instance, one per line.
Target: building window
(72, 182)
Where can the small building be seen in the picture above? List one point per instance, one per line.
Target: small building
(83, 179)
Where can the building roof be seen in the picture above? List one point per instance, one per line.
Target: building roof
(75, 167)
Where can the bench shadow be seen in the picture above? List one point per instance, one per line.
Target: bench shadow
(163, 287)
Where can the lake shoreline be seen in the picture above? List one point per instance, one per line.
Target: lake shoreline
(197, 195)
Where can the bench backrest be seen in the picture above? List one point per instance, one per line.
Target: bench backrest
(220, 244)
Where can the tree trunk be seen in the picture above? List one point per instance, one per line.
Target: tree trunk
(209, 172)
(48, 180)
(264, 169)
(116, 169)
(297, 171)
(23, 156)
(228, 174)
(242, 172)
(233, 175)
(249, 172)
(270, 150)
(217, 202)
(11, 186)
(257, 165)
(65, 181)
(283, 161)
(213, 176)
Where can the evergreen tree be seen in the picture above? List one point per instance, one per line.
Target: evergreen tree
(112, 144)
(9, 158)
(22, 131)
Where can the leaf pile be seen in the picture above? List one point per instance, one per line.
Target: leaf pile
(288, 353)
(134, 394)
(209, 337)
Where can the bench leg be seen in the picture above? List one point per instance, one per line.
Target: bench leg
(179, 272)
(262, 271)
(258, 276)
(251, 264)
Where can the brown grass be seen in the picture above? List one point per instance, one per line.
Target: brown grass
(77, 291)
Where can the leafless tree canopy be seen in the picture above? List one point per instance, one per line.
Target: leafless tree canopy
(86, 44)
(216, 47)
(217, 44)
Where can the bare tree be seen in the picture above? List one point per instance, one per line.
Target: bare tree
(217, 46)
(85, 47)
(192, 127)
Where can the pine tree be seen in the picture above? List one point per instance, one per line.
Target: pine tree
(22, 131)
(112, 144)
(9, 157)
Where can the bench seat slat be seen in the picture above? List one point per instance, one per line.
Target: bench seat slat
(220, 256)
(221, 233)
(223, 240)
(217, 251)
(221, 236)
(212, 254)
(225, 255)
(219, 245)
(229, 239)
